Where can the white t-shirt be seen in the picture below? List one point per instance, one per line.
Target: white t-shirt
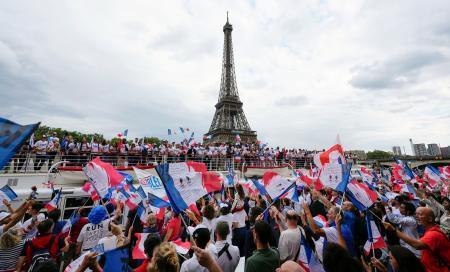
(239, 217)
(210, 224)
(109, 242)
(95, 147)
(331, 234)
(29, 234)
(90, 234)
(193, 265)
(41, 146)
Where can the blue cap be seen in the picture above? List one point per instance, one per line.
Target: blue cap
(97, 214)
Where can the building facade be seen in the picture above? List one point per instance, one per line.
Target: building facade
(420, 150)
(434, 150)
(397, 150)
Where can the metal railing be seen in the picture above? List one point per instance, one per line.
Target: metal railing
(35, 163)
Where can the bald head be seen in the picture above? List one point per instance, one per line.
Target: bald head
(425, 216)
(291, 219)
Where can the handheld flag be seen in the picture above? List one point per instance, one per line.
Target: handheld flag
(321, 221)
(181, 247)
(275, 185)
(139, 250)
(102, 176)
(361, 195)
(53, 204)
(150, 182)
(12, 135)
(432, 175)
(333, 155)
(169, 131)
(72, 221)
(374, 240)
(116, 260)
(73, 266)
(335, 176)
(183, 187)
(402, 171)
(7, 193)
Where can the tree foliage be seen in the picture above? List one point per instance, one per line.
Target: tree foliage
(378, 154)
(45, 130)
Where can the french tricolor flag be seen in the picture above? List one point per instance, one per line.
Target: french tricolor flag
(275, 185)
(307, 259)
(72, 221)
(181, 247)
(102, 175)
(375, 240)
(53, 204)
(335, 154)
(311, 181)
(7, 193)
(432, 175)
(402, 171)
(321, 221)
(132, 199)
(336, 176)
(361, 195)
(138, 252)
(184, 186)
(157, 205)
(445, 171)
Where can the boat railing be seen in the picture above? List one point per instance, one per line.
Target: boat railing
(40, 163)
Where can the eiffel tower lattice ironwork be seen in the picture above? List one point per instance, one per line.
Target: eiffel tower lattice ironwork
(229, 119)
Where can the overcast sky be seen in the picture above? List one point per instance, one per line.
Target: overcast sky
(376, 72)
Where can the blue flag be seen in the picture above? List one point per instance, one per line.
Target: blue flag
(346, 172)
(169, 131)
(182, 130)
(116, 260)
(12, 136)
(176, 200)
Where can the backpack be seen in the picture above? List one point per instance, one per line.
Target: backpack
(40, 255)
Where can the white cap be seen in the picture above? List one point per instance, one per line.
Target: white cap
(199, 226)
(223, 205)
(3, 215)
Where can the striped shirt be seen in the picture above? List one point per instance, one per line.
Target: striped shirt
(10, 256)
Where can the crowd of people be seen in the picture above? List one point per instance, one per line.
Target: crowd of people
(216, 156)
(282, 235)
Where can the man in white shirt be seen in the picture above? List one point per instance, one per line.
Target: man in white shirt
(96, 229)
(95, 147)
(201, 238)
(289, 243)
(228, 255)
(29, 227)
(40, 147)
(226, 216)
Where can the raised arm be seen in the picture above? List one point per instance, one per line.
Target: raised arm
(415, 243)
(312, 224)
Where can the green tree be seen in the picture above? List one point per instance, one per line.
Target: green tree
(378, 154)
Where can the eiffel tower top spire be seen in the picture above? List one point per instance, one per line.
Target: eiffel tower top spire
(228, 85)
(229, 119)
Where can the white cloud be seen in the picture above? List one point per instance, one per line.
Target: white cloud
(375, 72)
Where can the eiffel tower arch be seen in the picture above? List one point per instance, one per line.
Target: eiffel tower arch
(229, 119)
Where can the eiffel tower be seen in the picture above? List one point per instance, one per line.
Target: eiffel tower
(229, 119)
